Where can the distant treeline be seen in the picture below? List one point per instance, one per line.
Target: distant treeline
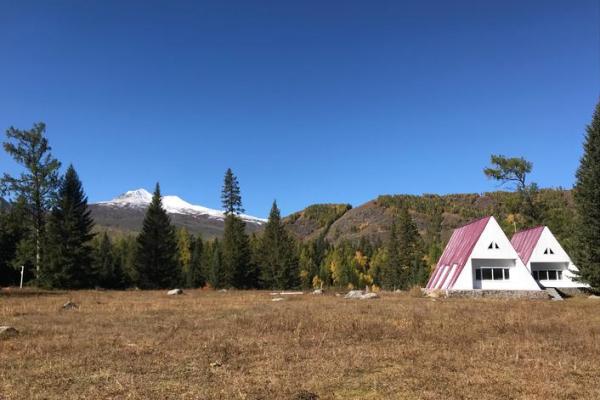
(46, 227)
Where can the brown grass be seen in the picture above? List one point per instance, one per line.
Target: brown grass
(240, 345)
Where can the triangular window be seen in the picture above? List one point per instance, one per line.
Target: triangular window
(548, 251)
(493, 245)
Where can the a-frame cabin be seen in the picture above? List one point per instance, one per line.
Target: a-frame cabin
(480, 256)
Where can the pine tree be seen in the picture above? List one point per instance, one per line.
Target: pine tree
(235, 248)
(587, 199)
(37, 186)
(214, 273)
(67, 255)
(12, 231)
(404, 265)
(230, 195)
(106, 265)
(195, 277)
(277, 255)
(391, 271)
(156, 255)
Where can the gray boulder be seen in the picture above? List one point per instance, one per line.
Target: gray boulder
(174, 292)
(8, 332)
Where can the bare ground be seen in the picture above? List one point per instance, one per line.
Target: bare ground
(240, 345)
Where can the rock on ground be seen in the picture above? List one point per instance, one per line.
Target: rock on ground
(594, 297)
(368, 296)
(174, 292)
(359, 294)
(278, 299)
(354, 294)
(7, 332)
(305, 395)
(69, 305)
(317, 291)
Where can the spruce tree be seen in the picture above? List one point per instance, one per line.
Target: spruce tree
(13, 229)
(156, 255)
(106, 265)
(391, 271)
(214, 266)
(235, 248)
(587, 200)
(37, 186)
(230, 194)
(67, 255)
(195, 277)
(277, 255)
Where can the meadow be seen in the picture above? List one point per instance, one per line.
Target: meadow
(241, 345)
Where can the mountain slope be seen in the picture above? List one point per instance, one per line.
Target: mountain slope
(126, 213)
(373, 219)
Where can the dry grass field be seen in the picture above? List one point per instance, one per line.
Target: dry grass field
(241, 345)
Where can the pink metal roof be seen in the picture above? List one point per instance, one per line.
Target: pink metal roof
(524, 242)
(457, 251)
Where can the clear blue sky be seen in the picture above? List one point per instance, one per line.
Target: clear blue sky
(307, 101)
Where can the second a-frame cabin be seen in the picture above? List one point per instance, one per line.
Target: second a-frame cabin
(480, 256)
(545, 258)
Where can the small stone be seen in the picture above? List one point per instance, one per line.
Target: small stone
(305, 395)
(594, 297)
(215, 364)
(354, 294)
(278, 299)
(174, 292)
(317, 291)
(222, 290)
(8, 332)
(368, 296)
(69, 305)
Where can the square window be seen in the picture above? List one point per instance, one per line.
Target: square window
(506, 273)
(478, 274)
(498, 274)
(536, 276)
(552, 275)
(543, 275)
(486, 274)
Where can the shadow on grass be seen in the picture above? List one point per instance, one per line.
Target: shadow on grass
(29, 292)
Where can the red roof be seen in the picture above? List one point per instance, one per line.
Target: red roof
(457, 252)
(524, 242)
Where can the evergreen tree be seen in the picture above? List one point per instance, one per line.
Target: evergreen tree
(235, 247)
(405, 264)
(587, 199)
(156, 255)
(214, 274)
(195, 277)
(125, 249)
(235, 255)
(36, 186)
(12, 231)
(391, 271)
(230, 195)
(277, 255)
(68, 261)
(106, 266)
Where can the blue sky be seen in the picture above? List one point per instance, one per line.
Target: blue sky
(307, 101)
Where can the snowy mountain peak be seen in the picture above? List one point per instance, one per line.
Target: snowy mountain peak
(141, 198)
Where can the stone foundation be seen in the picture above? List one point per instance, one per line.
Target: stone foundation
(498, 294)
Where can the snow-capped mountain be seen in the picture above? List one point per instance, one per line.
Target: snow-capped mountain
(126, 213)
(172, 204)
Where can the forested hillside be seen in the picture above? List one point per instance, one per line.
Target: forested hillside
(435, 215)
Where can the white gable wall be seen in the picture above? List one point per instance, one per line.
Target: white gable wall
(547, 240)
(505, 256)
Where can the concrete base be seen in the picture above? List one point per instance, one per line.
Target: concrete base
(499, 294)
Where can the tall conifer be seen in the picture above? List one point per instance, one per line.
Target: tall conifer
(587, 200)
(156, 255)
(277, 258)
(67, 255)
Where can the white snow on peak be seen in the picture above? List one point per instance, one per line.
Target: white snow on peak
(141, 198)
